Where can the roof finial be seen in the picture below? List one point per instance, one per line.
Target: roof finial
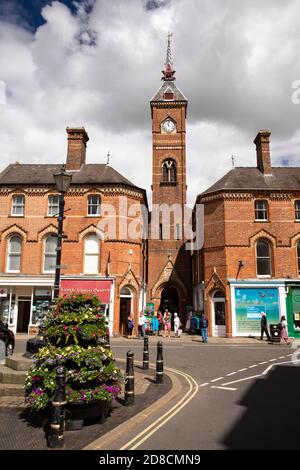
(108, 155)
(168, 73)
(169, 54)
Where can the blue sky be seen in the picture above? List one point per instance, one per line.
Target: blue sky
(27, 12)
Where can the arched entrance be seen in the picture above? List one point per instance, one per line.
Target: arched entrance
(218, 314)
(169, 300)
(126, 307)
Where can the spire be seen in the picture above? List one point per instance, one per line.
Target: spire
(168, 72)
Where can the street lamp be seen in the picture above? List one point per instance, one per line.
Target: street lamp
(62, 181)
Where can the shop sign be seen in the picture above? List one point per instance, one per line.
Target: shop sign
(250, 303)
(96, 287)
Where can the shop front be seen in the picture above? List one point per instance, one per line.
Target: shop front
(293, 309)
(103, 288)
(24, 302)
(250, 299)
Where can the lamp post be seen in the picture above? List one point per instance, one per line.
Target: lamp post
(62, 181)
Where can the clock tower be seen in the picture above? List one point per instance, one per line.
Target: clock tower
(169, 262)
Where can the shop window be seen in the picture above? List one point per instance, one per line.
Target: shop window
(14, 254)
(41, 303)
(50, 254)
(18, 205)
(261, 210)
(263, 258)
(53, 205)
(94, 203)
(91, 254)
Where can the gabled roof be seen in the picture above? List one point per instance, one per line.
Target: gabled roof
(245, 178)
(93, 173)
(159, 96)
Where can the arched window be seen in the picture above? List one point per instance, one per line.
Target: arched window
(298, 256)
(14, 254)
(169, 171)
(263, 258)
(91, 254)
(50, 246)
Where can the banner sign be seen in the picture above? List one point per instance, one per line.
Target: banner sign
(99, 288)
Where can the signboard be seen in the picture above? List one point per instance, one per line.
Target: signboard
(149, 309)
(249, 303)
(100, 288)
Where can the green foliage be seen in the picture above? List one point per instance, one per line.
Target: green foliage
(76, 332)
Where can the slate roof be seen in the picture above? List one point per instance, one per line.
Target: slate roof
(178, 96)
(244, 178)
(92, 173)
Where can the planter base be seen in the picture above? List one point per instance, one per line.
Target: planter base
(78, 413)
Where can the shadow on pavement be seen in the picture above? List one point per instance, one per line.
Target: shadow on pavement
(273, 413)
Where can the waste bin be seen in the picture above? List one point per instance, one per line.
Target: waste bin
(275, 333)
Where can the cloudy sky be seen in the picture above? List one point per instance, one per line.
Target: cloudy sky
(97, 63)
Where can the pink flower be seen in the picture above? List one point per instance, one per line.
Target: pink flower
(65, 327)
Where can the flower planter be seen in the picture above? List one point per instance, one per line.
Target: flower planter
(78, 412)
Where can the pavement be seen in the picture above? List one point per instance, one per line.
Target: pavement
(194, 408)
(21, 430)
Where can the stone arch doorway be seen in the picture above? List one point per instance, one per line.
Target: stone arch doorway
(169, 300)
(126, 307)
(218, 313)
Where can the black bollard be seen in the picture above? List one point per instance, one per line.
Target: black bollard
(129, 381)
(146, 353)
(56, 437)
(159, 364)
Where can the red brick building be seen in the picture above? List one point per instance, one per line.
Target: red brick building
(104, 258)
(169, 263)
(250, 261)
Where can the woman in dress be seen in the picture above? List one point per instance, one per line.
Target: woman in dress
(283, 331)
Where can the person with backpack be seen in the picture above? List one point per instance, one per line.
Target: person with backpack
(204, 326)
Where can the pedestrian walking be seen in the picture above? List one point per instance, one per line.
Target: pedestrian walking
(177, 324)
(130, 325)
(283, 330)
(141, 325)
(204, 326)
(160, 321)
(155, 324)
(167, 323)
(264, 326)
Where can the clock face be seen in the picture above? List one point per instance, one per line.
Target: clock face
(168, 126)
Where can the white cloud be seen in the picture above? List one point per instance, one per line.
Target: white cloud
(235, 62)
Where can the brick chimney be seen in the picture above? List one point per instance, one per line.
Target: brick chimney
(262, 142)
(77, 139)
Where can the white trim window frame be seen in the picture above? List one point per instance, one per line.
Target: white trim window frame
(261, 210)
(49, 255)
(18, 205)
(91, 254)
(53, 205)
(94, 205)
(260, 258)
(298, 256)
(14, 254)
(297, 210)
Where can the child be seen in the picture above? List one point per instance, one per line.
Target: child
(177, 324)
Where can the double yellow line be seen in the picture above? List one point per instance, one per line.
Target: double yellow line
(140, 438)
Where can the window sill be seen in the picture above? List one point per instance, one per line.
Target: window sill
(93, 215)
(13, 272)
(18, 216)
(263, 220)
(264, 276)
